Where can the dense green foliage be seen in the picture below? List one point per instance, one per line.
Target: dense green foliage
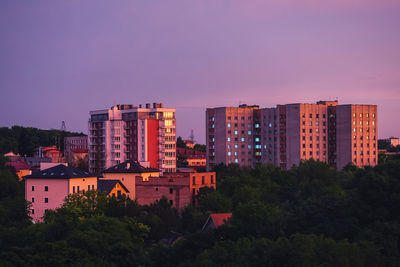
(24, 140)
(311, 215)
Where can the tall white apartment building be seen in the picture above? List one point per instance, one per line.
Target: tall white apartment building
(126, 132)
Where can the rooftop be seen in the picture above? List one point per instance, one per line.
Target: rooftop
(19, 165)
(130, 166)
(108, 185)
(59, 172)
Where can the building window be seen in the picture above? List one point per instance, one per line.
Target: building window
(194, 180)
(46, 200)
(229, 153)
(73, 189)
(33, 188)
(33, 200)
(171, 202)
(242, 139)
(156, 189)
(236, 160)
(236, 132)
(202, 180)
(171, 190)
(229, 139)
(212, 179)
(33, 211)
(229, 125)
(46, 188)
(77, 189)
(92, 186)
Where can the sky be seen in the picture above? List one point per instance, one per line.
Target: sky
(61, 59)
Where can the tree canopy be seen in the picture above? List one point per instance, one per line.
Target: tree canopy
(311, 215)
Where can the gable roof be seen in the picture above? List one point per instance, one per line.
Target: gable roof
(215, 220)
(108, 185)
(19, 165)
(10, 154)
(59, 172)
(129, 166)
(220, 218)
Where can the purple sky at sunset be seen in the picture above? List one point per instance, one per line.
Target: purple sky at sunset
(61, 59)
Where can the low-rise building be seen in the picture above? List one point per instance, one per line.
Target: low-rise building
(179, 187)
(47, 189)
(126, 173)
(73, 145)
(20, 167)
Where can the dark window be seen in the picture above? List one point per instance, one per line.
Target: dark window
(77, 189)
(46, 200)
(88, 187)
(171, 190)
(156, 188)
(202, 179)
(33, 211)
(212, 179)
(73, 189)
(119, 193)
(171, 202)
(46, 188)
(194, 191)
(33, 199)
(194, 180)
(33, 188)
(92, 186)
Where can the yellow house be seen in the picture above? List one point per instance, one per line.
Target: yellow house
(126, 173)
(114, 188)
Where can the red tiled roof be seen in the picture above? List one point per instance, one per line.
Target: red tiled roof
(19, 165)
(220, 218)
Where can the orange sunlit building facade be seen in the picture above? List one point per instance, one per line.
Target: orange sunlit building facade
(287, 134)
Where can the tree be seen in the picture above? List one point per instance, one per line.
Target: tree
(180, 143)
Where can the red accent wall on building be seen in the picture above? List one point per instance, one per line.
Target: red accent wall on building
(152, 137)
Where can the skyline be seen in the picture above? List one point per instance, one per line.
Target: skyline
(61, 59)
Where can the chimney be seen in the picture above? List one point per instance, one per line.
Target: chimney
(147, 105)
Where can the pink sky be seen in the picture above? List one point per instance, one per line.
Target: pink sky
(61, 59)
